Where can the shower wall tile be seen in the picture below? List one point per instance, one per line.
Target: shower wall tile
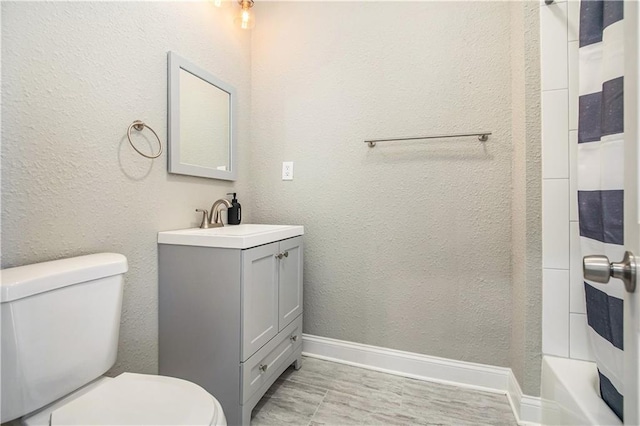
(555, 224)
(553, 52)
(573, 175)
(555, 134)
(579, 346)
(555, 316)
(573, 85)
(564, 320)
(573, 12)
(577, 302)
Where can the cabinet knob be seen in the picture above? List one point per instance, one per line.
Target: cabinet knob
(286, 254)
(279, 255)
(293, 338)
(263, 368)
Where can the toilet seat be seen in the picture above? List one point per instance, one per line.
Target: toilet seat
(142, 399)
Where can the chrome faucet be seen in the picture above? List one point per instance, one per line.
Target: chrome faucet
(214, 220)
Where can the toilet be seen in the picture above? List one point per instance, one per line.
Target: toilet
(60, 326)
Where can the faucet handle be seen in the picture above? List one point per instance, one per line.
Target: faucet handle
(205, 218)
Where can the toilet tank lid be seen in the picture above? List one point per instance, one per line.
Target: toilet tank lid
(23, 281)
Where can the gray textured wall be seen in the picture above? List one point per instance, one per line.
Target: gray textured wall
(428, 247)
(74, 76)
(526, 206)
(408, 245)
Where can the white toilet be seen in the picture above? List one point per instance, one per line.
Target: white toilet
(60, 325)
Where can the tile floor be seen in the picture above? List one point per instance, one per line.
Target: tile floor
(327, 393)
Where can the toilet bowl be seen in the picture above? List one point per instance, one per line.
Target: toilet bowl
(60, 327)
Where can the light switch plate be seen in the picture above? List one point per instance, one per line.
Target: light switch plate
(287, 170)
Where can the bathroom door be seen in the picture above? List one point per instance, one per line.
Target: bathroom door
(632, 210)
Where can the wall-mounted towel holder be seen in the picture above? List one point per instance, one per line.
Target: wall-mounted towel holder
(139, 126)
(482, 137)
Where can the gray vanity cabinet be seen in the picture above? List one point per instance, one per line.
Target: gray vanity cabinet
(230, 319)
(271, 291)
(290, 282)
(260, 297)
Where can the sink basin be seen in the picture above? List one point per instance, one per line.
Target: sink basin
(230, 236)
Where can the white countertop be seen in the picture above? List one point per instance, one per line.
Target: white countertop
(230, 236)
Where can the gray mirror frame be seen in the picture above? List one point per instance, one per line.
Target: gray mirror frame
(175, 63)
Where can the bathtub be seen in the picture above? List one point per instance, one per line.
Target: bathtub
(570, 395)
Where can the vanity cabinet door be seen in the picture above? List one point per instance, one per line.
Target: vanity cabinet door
(260, 297)
(290, 282)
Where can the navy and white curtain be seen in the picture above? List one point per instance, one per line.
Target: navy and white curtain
(600, 181)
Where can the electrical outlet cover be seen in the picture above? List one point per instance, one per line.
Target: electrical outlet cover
(287, 170)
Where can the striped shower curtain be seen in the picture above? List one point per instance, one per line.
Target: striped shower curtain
(600, 181)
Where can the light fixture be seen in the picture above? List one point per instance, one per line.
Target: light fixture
(245, 18)
(221, 3)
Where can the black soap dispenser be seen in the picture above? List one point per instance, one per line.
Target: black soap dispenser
(234, 214)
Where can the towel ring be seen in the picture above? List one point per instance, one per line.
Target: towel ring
(139, 126)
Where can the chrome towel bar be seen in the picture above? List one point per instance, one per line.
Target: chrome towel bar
(482, 137)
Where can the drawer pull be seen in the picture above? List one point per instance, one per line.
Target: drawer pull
(293, 338)
(263, 368)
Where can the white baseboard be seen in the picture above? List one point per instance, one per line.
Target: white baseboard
(423, 367)
(531, 410)
(526, 408)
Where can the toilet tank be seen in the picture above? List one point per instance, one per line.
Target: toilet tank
(60, 323)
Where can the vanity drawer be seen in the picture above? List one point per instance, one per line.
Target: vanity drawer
(258, 369)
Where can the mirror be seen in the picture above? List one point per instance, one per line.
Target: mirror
(201, 122)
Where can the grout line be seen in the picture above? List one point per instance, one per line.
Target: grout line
(569, 327)
(318, 407)
(306, 383)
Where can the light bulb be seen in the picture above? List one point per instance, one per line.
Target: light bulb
(245, 18)
(221, 3)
